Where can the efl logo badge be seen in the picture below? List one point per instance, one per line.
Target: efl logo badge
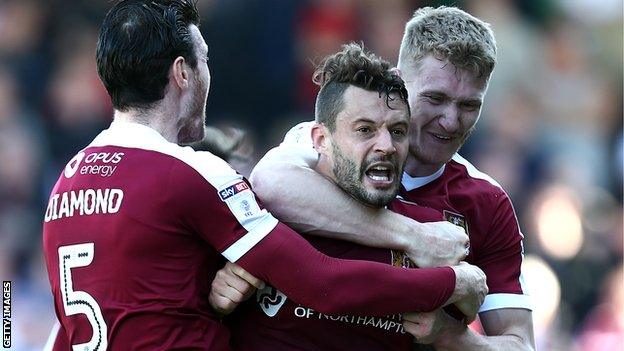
(232, 190)
(456, 219)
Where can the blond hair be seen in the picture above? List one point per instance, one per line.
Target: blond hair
(449, 33)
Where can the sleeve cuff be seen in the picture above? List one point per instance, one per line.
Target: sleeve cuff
(498, 301)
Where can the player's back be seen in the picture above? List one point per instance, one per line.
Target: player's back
(125, 270)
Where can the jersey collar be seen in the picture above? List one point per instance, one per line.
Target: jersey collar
(410, 183)
(128, 134)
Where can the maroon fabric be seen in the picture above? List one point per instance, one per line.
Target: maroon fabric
(490, 221)
(155, 250)
(297, 326)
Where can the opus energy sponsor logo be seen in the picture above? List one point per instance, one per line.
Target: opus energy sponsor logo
(103, 164)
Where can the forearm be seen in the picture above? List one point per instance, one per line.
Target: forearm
(336, 286)
(465, 339)
(312, 204)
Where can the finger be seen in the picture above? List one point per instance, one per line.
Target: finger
(221, 287)
(221, 304)
(238, 283)
(413, 317)
(413, 328)
(239, 271)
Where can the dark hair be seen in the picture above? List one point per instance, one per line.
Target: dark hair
(139, 40)
(353, 66)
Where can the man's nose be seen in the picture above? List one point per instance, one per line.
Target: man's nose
(449, 120)
(384, 143)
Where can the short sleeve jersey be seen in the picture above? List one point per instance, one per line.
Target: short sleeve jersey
(133, 234)
(475, 201)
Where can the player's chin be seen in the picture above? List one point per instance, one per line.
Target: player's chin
(382, 197)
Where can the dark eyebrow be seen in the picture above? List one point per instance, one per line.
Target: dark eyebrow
(429, 92)
(472, 101)
(363, 119)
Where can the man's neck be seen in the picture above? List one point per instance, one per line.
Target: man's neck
(416, 168)
(153, 119)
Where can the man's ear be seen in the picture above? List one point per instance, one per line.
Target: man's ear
(320, 138)
(180, 72)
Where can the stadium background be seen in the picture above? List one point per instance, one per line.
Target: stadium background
(550, 132)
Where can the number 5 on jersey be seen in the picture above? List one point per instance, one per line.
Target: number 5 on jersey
(80, 302)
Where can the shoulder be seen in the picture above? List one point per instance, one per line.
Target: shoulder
(486, 196)
(192, 168)
(210, 167)
(468, 177)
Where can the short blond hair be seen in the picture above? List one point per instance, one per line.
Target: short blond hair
(449, 33)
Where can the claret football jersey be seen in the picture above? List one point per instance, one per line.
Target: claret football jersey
(130, 248)
(271, 321)
(473, 200)
(458, 193)
(136, 228)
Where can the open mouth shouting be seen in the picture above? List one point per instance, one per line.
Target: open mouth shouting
(381, 174)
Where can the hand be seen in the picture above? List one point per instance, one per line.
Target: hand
(438, 244)
(231, 286)
(470, 289)
(427, 327)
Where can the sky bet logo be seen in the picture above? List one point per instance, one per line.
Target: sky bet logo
(232, 190)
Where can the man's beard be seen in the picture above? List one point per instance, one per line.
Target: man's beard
(349, 178)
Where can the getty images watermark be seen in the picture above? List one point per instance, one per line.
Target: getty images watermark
(6, 313)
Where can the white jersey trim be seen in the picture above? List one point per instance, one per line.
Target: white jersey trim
(213, 169)
(410, 183)
(241, 246)
(498, 301)
(474, 172)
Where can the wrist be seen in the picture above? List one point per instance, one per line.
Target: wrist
(407, 232)
(453, 336)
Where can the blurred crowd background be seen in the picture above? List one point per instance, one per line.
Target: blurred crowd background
(550, 132)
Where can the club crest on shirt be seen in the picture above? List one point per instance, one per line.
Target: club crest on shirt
(270, 300)
(456, 219)
(400, 259)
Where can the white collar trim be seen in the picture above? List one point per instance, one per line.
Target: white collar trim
(410, 183)
(128, 134)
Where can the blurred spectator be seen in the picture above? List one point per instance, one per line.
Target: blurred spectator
(603, 329)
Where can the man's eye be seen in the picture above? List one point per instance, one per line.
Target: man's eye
(434, 99)
(471, 107)
(364, 130)
(398, 132)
